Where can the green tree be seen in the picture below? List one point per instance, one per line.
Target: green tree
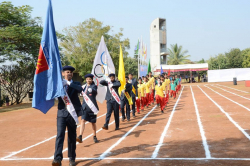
(177, 55)
(20, 34)
(235, 58)
(131, 66)
(81, 42)
(246, 58)
(17, 80)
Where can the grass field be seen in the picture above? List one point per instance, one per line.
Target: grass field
(207, 124)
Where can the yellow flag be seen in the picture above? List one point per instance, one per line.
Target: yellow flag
(121, 72)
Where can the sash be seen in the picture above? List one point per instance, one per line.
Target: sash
(133, 89)
(69, 106)
(129, 98)
(89, 102)
(113, 93)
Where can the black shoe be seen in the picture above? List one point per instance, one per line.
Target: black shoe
(162, 111)
(72, 163)
(138, 112)
(123, 119)
(79, 139)
(105, 127)
(158, 105)
(117, 128)
(128, 120)
(95, 139)
(133, 116)
(56, 163)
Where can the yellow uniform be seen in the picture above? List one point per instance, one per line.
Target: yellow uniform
(147, 85)
(159, 90)
(152, 81)
(168, 83)
(142, 89)
(164, 84)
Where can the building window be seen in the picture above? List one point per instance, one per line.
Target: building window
(154, 26)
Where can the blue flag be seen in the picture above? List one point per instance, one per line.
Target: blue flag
(161, 70)
(48, 78)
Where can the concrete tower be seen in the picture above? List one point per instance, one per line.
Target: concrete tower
(158, 43)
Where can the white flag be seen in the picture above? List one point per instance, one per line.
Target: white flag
(102, 67)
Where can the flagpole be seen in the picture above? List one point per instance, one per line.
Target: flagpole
(138, 62)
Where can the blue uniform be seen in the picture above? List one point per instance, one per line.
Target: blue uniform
(134, 83)
(91, 92)
(124, 101)
(112, 105)
(64, 119)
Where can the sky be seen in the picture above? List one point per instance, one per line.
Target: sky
(203, 27)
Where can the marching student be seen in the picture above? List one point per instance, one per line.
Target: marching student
(180, 79)
(89, 105)
(173, 89)
(164, 87)
(177, 83)
(147, 87)
(140, 94)
(160, 95)
(134, 83)
(64, 119)
(152, 82)
(125, 95)
(167, 80)
(113, 100)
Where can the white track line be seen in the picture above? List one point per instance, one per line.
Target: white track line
(88, 136)
(14, 153)
(102, 156)
(157, 148)
(227, 115)
(228, 98)
(232, 93)
(82, 158)
(233, 88)
(204, 139)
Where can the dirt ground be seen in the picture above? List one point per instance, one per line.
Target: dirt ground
(210, 127)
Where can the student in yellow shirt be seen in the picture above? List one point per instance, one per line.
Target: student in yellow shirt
(147, 87)
(159, 88)
(140, 96)
(164, 86)
(167, 80)
(152, 81)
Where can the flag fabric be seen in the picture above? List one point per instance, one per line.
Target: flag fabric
(121, 72)
(161, 70)
(168, 72)
(149, 66)
(102, 67)
(48, 78)
(145, 57)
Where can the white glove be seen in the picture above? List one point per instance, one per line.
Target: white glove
(64, 82)
(136, 98)
(123, 91)
(68, 82)
(90, 90)
(108, 79)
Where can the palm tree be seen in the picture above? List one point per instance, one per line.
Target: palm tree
(177, 55)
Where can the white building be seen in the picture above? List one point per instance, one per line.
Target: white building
(158, 43)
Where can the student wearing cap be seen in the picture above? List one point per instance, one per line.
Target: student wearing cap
(90, 89)
(124, 100)
(113, 100)
(134, 83)
(64, 119)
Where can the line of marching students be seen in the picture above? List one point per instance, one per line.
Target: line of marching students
(141, 93)
(158, 89)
